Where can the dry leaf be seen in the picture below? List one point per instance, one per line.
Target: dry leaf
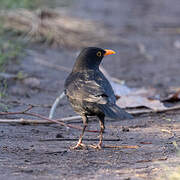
(173, 97)
(138, 101)
(118, 86)
(134, 98)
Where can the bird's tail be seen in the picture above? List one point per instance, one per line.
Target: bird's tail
(114, 112)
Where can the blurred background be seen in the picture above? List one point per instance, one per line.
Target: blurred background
(40, 40)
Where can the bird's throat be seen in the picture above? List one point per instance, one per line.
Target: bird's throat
(82, 64)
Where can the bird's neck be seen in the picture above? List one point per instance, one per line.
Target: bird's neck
(81, 65)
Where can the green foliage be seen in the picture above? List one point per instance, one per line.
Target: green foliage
(9, 50)
(13, 4)
(33, 4)
(3, 107)
(3, 88)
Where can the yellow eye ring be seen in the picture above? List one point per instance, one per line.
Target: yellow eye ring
(99, 54)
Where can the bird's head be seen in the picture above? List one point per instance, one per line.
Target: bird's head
(91, 58)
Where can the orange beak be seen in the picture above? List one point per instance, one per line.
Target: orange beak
(108, 52)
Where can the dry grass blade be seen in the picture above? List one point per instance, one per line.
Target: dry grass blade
(55, 29)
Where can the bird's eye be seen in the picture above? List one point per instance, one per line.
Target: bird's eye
(99, 54)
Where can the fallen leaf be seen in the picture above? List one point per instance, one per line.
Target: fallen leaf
(173, 97)
(118, 86)
(134, 98)
(132, 101)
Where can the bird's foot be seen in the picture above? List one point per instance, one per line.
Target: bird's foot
(97, 146)
(79, 146)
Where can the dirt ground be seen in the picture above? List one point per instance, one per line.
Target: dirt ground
(147, 56)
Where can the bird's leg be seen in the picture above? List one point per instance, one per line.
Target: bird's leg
(101, 123)
(80, 144)
(101, 134)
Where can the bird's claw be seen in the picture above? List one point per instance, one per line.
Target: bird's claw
(79, 146)
(97, 146)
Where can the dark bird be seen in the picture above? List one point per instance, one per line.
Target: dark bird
(90, 93)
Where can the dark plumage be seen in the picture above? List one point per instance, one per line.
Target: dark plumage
(90, 93)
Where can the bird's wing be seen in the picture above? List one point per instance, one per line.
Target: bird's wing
(94, 93)
(89, 91)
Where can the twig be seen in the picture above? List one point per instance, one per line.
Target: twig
(36, 121)
(25, 121)
(152, 160)
(55, 104)
(68, 119)
(75, 139)
(134, 113)
(25, 112)
(122, 147)
(147, 111)
(18, 112)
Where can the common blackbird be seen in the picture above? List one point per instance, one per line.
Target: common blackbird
(90, 93)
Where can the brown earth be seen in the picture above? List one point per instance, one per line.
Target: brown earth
(147, 55)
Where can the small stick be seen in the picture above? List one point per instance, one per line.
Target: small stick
(36, 121)
(55, 104)
(25, 112)
(177, 107)
(122, 147)
(66, 119)
(75, 139)
(25, 121)
(152, 160)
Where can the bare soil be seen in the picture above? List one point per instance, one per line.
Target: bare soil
(147, 55)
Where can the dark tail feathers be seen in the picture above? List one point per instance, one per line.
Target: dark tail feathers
(114, 112)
